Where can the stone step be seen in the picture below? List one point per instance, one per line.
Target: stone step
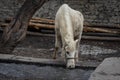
(41, 61)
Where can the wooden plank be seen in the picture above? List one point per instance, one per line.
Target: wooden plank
(86, 29)
(44, 26)
(48, 26)
(37, 19)
(84, 37)
(101, 34)
(101, 38)
(40, 61)
(42, 22)
(39, 34)
(115, 26)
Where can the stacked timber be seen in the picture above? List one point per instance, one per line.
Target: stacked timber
(89, 32)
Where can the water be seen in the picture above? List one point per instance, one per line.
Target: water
(33, 72)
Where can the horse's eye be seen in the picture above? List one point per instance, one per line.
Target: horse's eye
(67, 52)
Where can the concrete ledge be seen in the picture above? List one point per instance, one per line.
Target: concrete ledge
(40, 61)
(109, 69)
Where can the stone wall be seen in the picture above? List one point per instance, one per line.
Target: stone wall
(96, 12)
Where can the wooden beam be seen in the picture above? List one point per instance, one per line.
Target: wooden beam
(100, 34)
(91, 29)
(39, 34)
(40, 26)
(50, 21)
(116, 26)
(101, 38)
(42, 22)
(39, 23)
(49, 62)
(85, 37)
(86, 29)
(36, 20)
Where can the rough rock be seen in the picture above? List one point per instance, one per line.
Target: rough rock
(109, 69)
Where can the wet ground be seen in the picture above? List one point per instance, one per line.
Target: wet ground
(43, 47)
(31, 72)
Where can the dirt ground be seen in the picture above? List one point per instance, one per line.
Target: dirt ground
(43, 47)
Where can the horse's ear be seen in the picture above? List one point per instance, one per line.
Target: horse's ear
(66, 48)
(76, 41)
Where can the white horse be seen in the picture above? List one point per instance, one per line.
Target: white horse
(68, 29)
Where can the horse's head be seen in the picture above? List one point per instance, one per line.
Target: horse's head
(70, 54)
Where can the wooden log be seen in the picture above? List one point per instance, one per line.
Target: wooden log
(84, 37)
(4, 25)
(43, 19)
(47, 23)
(38, 25)
(85, 24)
(115, 26)
(42, 22)
(33, 25)
(36, 20)
(86, 29)
(91, 29)
(8, 20)
(39, 34)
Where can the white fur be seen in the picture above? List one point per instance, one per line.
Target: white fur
(68, 28)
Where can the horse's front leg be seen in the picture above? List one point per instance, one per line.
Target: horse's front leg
(57, 45)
